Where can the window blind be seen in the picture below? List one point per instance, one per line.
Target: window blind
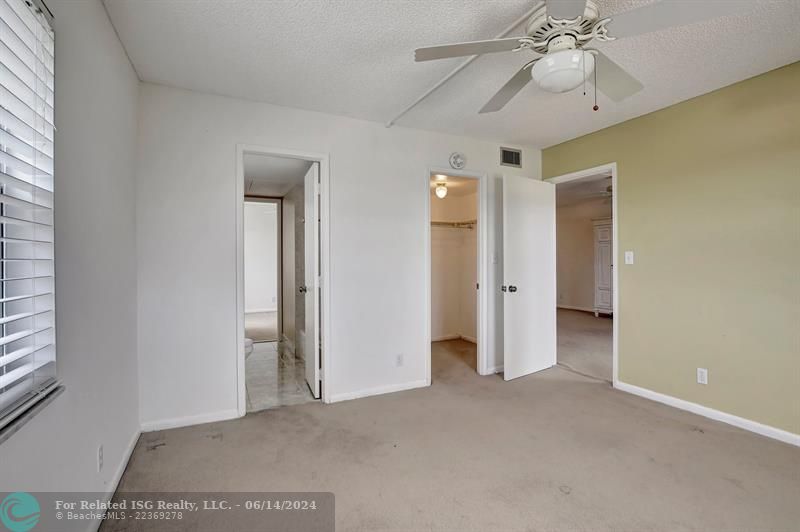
(27, 284)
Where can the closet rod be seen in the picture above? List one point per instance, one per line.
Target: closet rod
(469, 224)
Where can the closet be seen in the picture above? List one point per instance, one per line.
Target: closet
(454, 261)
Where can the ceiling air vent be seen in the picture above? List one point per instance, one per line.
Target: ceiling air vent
(511, 157)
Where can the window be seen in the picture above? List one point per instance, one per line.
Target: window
(27, 284)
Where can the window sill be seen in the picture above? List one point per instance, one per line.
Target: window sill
(7, 431)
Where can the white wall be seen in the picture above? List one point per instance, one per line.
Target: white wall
(454, 268)
(379, 187)
(96, 108)
(294, 239)
(575, 251)
(260, 257)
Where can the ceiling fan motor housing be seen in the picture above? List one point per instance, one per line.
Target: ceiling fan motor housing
(548, 35)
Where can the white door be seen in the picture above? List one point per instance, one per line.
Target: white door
(311, 282)
(529, 276)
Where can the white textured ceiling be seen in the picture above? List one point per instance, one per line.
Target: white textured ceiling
(573, 192)
(265, 175)
(356, 58)
(456, 186)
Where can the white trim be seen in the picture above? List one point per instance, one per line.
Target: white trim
(496, 369)
(610, 169)
(260, 310)
(571, 307)
(380, 390)
(717, 415)
(173, 423)
(113, 483)
(483, 267)
(325, 274)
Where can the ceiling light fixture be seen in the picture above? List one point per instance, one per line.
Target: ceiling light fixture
(441, 190)
(563, 71)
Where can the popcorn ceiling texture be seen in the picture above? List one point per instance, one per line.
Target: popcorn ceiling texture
(356, 58)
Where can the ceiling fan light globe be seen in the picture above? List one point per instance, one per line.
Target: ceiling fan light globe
(441, 191)
(563, 71)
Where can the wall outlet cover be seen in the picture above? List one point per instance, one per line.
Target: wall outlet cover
(399, 360)
(702, 376)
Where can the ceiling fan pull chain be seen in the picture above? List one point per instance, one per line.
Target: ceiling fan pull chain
(595, 108)
(584, 71)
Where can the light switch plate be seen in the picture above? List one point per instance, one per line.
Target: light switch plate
(629, 257)
(702, 376)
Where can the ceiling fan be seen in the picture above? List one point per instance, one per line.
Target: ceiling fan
(559, 30)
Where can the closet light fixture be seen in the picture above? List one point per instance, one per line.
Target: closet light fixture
(441, 190)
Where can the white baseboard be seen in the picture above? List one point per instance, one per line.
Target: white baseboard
(496, 369)
(571, 307)
(162, 424)
(117, 477)
(257, 310)
(380, 390)
(730, 419)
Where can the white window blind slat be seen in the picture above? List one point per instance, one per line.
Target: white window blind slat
(27, 299)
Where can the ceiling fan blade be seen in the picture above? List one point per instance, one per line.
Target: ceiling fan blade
(465, 48)
(508, 91)
(613, 80)
(565, 9)
(669, 14)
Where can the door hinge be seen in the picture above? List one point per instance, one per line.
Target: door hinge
(477, 286)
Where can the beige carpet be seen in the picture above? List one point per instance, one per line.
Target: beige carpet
(553, 451)
(261, 326)
(585, 343)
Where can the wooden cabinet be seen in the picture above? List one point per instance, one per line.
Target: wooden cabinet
(603, 267)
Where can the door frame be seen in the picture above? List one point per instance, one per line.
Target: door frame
(608, 168)
(483, 266)
(325, 271)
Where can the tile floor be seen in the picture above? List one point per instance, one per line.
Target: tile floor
(274, 377)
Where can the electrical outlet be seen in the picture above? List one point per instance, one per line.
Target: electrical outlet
(702, 376)
(100, 458)
(398, 361)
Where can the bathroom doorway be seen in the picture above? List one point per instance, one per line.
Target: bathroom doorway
(279, 290)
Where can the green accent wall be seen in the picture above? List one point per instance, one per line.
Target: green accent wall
(709, 201)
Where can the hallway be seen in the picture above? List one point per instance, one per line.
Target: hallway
(585, 343)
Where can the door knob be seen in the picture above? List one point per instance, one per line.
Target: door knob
(303, 289)
(512, 288)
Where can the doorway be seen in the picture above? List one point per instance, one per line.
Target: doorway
(456, 242)
(587, 302)
(262, 269)
(282, 264)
